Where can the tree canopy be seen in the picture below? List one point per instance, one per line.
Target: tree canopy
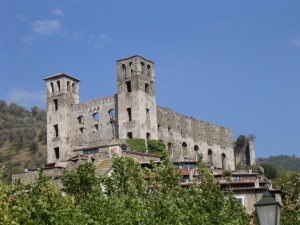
(131, 195)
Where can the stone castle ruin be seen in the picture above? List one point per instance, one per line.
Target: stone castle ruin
(90, 128)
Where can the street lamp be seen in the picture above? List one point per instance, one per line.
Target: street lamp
(268, 210)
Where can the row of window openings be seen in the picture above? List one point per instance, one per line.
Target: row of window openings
(209, 153)
(96, 116)
(124, 69)
(58, 86)
(129, 135)
(130, 115)
(128, 87)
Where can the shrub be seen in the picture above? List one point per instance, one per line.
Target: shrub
(136, 144)
(156, 146)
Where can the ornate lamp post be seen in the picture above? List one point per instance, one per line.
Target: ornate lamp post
(268, 210)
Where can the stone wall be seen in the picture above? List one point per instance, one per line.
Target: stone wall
(91, 125)
(186, 136)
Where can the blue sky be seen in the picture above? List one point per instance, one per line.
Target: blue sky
(233, 63)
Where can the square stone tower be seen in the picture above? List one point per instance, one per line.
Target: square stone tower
(62, 91)
(136, 98)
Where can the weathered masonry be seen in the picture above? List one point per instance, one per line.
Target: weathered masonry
(88, 128)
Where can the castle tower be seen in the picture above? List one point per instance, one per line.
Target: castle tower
(62, 91)
(136, 98)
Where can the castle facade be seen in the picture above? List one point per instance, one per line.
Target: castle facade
(88, 128)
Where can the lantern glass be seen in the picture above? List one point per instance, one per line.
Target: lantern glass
(268, 210)
(266, 214)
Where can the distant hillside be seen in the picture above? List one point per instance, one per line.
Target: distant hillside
(22, 138)
(290, 163)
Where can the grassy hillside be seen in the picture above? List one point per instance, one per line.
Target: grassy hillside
(22, 138)
(290, 163)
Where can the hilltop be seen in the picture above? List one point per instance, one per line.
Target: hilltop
(286, 162)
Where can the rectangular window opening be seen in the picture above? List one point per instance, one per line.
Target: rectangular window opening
(56, 151)
(148, 135)
(128, 86)
(56, 130)
(129, 114)
(55, 104)
(129, 135)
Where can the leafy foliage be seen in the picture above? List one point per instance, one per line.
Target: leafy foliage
(131, 195)
(241, 140)
(156, 146)
(291, 208)
(136, 144)
(269, 171)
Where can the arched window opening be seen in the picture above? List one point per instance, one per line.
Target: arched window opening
(147, 114)
(51, 87)
(210, 157)
(128, 86)
(111, 113)
(184, 145)
(96, 116)
(196, 148)
(123, 71)
(58, 85)
(147, 88)
(148, 136)
(68, 85)
(124, 147)
(148, 72)
(223, 161)
(143, 65)
(73, 87)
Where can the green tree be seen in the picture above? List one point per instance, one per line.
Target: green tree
(290, 213)
(269, 171)
(80, 182)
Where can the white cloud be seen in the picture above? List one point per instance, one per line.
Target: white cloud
(21, 17)
(27, 98)
(296, 42)
(46, 27)
(57, 12)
